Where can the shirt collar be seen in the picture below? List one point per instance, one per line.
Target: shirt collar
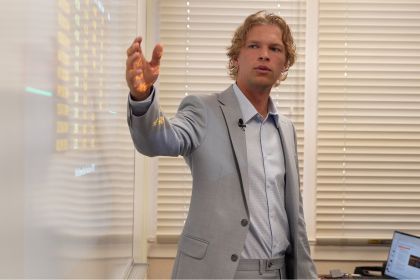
(248, 110)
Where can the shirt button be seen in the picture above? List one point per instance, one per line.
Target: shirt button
(244, 222)
(234, 257)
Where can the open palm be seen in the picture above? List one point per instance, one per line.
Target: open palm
(140, 73)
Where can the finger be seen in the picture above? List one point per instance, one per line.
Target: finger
(157, 55)
(132, 49)
(138, 39)
(131, 60)
(135, 46)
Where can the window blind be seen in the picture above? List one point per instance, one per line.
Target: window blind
(368, 144)
(195, 35)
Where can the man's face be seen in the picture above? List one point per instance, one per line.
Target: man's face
(262, 59)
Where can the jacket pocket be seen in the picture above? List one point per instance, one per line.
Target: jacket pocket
(193, 247)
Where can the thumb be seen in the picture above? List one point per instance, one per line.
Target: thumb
(157, 54)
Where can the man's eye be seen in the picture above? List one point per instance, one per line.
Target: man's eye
(276, 49)
(252, 46)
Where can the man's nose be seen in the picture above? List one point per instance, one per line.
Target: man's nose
(263, 55)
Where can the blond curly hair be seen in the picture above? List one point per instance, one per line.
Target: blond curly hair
(239, 38)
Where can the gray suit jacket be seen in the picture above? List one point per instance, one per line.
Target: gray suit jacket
(205, 131)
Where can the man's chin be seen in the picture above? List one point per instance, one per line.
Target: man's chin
(265, 82)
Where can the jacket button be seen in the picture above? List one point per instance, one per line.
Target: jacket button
(234, 257)
(244, 222)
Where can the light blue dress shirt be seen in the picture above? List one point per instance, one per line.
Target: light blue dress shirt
(268, 235)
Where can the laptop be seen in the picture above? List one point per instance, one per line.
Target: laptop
(403, 257)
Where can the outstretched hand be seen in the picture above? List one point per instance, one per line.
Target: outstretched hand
(140, 73)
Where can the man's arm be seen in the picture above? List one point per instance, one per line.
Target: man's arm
(152, 133)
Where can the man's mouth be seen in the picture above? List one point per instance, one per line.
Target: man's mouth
(263, 68)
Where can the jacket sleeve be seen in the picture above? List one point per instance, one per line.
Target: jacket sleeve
(305, 266)
(154, 134)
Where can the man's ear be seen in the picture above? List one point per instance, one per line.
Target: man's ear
(286, 67)
(235, 64)
(235, 61)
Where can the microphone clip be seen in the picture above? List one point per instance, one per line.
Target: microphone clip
(241, 124)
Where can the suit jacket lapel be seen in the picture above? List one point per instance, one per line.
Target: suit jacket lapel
(232, 113)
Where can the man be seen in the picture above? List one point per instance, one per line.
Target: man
(245, 218)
